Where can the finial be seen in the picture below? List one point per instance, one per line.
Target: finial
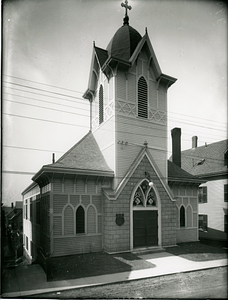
(145, 144)
(146, 30)
(126, 18)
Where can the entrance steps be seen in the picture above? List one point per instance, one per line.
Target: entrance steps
(148, 250)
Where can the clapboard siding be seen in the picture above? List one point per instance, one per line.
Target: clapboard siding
(59, 201)
(153, 94)
(215, 208)
(131, 88)
(186, 196)
(57, 185)
(76, 245)
(74, 199)
(91, 220)
(96, 200)
(121, 85)
(135, 136)
(85, 200)
(57, 220)
(68, 221)
(68, 185)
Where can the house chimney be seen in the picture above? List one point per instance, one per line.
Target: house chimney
(53, 158)
(11, 204)
(194, 141)
(176, 146)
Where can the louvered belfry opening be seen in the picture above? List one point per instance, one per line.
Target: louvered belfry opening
(101, 105)
(142, 98)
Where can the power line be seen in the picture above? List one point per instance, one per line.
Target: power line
(43, 84)
(54, 109)
(37, 89)
(50, 121)
(29, 104)
(70, 124)
(179, 120)
(45, 101)
(83, 99)
(33, 149)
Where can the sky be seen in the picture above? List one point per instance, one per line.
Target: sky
(47, 50)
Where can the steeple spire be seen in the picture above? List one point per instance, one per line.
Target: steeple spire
(126, 18)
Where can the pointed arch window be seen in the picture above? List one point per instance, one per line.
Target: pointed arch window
(101, 105)
(145, 195)
(142, 98)
(182, 216)
(80, 220)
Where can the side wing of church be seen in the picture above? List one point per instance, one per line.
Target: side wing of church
(110, 191)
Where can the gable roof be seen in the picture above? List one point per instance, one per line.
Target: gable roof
(205, 160)
(85, 158)
(102, 55)
(110, 194)
(177, 174)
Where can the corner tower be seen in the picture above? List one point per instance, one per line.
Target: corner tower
(128, 96)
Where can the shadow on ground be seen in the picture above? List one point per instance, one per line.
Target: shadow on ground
(200, 251)
(94, 264)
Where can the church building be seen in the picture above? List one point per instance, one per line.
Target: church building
(110, 192)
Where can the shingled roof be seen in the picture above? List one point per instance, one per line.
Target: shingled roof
(206, 160)
(85, 157)
(177, 174)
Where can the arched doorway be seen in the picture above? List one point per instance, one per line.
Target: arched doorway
(145, 216)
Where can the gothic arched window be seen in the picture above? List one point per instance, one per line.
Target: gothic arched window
(101, 105)
(142, 98)
(80, 220)
(145, 195)
(182, 216)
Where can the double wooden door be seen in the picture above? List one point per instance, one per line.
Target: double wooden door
(145, 228)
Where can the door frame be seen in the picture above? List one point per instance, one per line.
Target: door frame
(133, 208)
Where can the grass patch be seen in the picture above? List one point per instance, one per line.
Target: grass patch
(93, 264)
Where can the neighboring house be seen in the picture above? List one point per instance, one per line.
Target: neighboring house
(14, 218)
(209, 163)
(110, 191)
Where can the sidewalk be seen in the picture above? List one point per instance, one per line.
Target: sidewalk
(31, 279)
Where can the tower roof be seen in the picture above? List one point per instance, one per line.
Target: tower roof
(124, 42)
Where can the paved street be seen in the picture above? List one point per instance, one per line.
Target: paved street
(211, 283)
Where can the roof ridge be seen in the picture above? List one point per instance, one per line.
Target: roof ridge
(75, 145)
(203, 146)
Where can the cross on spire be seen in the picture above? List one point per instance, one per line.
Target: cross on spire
(126, 18)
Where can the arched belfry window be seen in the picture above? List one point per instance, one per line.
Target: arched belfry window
(80, 220)
(182, 216)
(101, 104)
(145, 196)
(142, 98)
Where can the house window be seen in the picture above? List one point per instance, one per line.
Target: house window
(31, 212)
(80, 220)
(226, 192)
(202, 196)
(101, 105)
(26, 242)
(203, 222)
(26, 209)
(225, 223)
(142, 98)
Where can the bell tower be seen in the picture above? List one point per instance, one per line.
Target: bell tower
(128, 100)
